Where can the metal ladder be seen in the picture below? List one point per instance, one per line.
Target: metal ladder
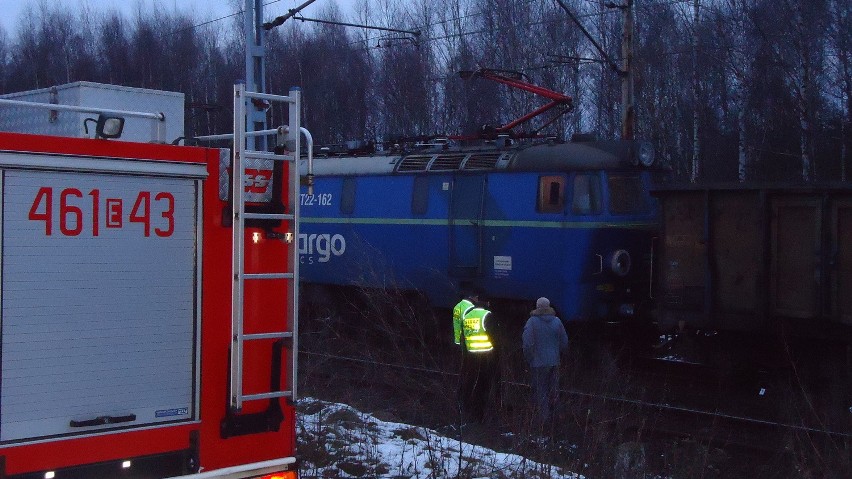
(241, 154)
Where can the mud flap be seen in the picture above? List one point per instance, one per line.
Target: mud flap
(269, 420)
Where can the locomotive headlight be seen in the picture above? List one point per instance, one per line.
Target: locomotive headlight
(646, 153)
(620, 262)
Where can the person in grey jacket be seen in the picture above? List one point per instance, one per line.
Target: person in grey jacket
(544, 340)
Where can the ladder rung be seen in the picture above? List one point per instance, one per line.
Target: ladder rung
(283, 334)
(265, 155)
(276, 394)
(268, 275)
(267, 216)
(268, 96)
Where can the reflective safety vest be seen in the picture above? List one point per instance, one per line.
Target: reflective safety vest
(459, 312)
(476, 338)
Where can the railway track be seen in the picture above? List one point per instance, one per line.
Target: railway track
(606, 401)
(717, 417)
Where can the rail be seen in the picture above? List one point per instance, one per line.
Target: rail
(572, 392)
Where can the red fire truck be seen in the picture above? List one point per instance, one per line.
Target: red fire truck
(148, 304)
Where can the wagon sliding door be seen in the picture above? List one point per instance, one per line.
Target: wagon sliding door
(465, 223)
(795, 273)
(99, 299)
(684, 259)
(737, 258)
(841, 252)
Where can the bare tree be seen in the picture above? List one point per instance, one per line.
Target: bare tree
(732, 26)
(48, 48)
(333, 71)
(664, 100)
(453, 50)
(775, 79)
(113, 48)
(403, 69)
(4, 59)
(841, 64)
(803, 46)
(608, 92)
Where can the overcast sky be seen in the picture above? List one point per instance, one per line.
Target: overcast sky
(11, 10)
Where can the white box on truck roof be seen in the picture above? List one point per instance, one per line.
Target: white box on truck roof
(22, 119)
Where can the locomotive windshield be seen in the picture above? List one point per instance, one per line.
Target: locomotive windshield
(626, 196)
(587, 194)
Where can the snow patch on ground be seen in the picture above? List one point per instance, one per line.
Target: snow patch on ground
(336, 440)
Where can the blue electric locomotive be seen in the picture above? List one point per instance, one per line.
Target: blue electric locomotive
(570, 221)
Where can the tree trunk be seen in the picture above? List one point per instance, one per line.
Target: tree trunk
(742, 155)
(696, 144)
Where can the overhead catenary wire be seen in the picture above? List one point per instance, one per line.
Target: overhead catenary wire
(588, 35)
(416, 33)
(703, 48)
(218, 19)
(644, 6)
(293, 12)
(526, 25)
(477, 32)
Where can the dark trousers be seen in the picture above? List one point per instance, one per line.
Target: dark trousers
(545, 390)
(476, 384)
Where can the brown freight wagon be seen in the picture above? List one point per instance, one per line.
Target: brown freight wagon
(753, 285)
(758, 259)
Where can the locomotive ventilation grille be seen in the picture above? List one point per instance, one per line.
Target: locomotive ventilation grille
(447, 162)
(414, 163)
(481, 161)
(450, 162)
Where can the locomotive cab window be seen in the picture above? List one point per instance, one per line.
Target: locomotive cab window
(551, 194)
(626, 196)
(587, 194)
(347, 196)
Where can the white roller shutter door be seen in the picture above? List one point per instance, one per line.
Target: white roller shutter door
(99, 301)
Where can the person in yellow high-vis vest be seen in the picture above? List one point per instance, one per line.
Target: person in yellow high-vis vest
(470, 331)
(476, 337)
(459, 312)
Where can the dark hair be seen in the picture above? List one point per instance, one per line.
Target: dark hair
(469, 290)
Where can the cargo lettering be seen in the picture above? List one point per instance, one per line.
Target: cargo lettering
(320, 247)
(73, 219)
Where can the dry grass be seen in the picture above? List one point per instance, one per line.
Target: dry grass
(593, 435)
